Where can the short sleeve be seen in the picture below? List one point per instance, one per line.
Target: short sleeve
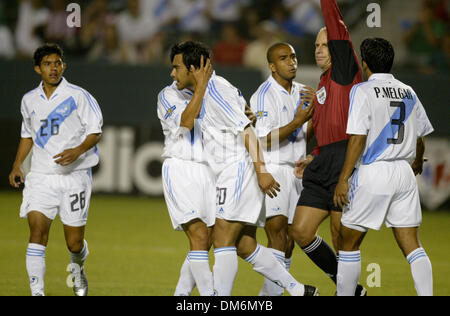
(26, 121)
(359, 114)
(424, 126)
(229, 107)
(90, 113)
(262, 104)
(170, 109)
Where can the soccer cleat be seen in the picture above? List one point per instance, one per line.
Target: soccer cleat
(360, 290)
(38, 293)
(80, 282)
(311, 291)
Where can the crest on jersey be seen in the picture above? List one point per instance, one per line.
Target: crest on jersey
(321, 95)
(261, 114)
(169, 112)
(64, 110)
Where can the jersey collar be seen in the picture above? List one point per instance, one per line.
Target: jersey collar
(63, 83)
(279, 87)
(381, 76)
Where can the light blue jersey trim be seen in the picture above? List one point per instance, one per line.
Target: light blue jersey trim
(92, 103)
(219, 99)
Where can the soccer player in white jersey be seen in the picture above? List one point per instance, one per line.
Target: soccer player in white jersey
(387, 123)
(233, 152)
(61, 124)
(279, 104)
(188, 182)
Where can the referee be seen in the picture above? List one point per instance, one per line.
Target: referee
(320, 171)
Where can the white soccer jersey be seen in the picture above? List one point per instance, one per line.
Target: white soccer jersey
(223, 121)
(391, 115)
(60, 123)
(179, 142)
(274, 108)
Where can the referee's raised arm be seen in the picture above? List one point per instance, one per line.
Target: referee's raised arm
(344, 59)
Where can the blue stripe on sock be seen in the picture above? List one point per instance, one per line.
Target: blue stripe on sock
(253, 255)
(224, 249)
(351, 257)
(350, 260)
(417, 255)
(198, 255)
(36, 252)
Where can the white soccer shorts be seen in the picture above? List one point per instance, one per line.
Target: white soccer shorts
(239, 197)
(383, 192)
(189, 190)
(286, 200)
(65, 194)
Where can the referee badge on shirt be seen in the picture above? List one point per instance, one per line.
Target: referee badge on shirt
(321, 95)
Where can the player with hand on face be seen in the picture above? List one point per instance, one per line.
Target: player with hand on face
(387, 123)
(62, 124)
(188, 182)
(281, 107)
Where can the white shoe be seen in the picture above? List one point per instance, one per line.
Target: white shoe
(80, 282)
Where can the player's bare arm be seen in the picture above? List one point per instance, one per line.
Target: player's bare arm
(417, 164)
(250, 115)
(68, 156)
(302, 116)
(16, 176)
(201, 78)
(355, 148)
(266, 182)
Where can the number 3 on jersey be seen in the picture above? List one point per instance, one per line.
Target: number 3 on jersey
(399, 122)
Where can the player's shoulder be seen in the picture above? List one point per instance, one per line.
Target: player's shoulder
(361, 88)
(76, 91)
(169, 94)
(219, 84)
(30, 95)
(405, 86)
(265, 88)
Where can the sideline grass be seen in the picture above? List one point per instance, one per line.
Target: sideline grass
(134, 251)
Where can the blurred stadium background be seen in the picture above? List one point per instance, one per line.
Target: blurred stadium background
(119, 54)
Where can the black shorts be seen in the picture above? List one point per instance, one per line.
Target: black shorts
(321, 177)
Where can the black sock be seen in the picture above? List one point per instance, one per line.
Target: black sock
(323, 256)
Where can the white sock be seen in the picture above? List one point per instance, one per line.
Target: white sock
(186, 282)
(199, 263)
(264, 262)
(421, 271)
(349, 269)
(224, 270)
(270, 288)
(80, 258)
(35, 262)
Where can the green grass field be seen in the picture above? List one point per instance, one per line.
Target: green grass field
(135, 251)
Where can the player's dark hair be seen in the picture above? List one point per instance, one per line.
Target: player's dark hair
(378, 54)
(273, 48)
(45, 50)
(192, 52)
